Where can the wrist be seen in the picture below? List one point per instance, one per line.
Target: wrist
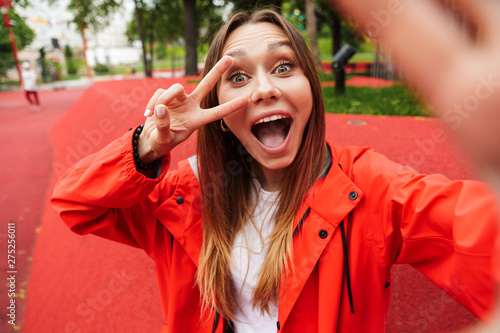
(145, 158)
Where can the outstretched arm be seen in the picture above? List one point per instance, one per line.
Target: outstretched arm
(456, 71)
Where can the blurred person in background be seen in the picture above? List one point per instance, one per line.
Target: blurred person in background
(29, 85)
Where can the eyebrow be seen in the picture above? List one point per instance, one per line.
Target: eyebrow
(275, 45)
(270, 47)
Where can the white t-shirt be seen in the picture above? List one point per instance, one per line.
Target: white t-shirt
(249, 251)
(247, 256)
(29, 80)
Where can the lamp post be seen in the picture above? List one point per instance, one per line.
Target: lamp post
(6, 4)
(341, 59)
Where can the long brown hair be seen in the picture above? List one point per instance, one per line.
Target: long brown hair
(225, 180)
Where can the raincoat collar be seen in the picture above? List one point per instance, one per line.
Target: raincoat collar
(331, 198)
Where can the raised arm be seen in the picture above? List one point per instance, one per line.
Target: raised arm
(177, 115)
(105, 194)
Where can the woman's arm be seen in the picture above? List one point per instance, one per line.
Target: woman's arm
(455, 70)
(106, 195)
(445, 229)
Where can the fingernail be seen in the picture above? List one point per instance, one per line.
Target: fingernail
(147, 113)
(160, 110)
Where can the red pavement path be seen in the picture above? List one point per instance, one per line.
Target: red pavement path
(25, 174)
(95, 285)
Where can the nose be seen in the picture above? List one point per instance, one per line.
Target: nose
(265, 89)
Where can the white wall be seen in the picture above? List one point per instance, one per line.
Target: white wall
(117, 55)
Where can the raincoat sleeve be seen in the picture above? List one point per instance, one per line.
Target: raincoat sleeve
(105, 195)
(445, 229)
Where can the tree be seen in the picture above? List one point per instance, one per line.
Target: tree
(23, 35)
(191, 36)
(139, 5)
(341, 32)
(312, 32)
(244, 5)
(162, 22)
(71, 66)
(90, 14)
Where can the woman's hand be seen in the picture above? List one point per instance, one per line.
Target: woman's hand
(457, 72)
(454, 69)
(177, 115)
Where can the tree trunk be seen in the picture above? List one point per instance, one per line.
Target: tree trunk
(138, 18)
(312, 31)
(152, 36)
(191, 37)
(337, 41)
(337, 34)
(84, 40)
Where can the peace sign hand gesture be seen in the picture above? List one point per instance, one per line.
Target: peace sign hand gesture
(177, 115)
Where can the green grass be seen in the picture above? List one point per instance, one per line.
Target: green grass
(72, 77)
(7, 84)
(394, 101)
(365, 52)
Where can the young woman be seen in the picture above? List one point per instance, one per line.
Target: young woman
(269, 227)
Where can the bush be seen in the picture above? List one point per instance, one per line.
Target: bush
(101, 68)
(57, 70)
(393, 101)
(71, 66)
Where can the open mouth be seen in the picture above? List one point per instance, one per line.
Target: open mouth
(272, 131)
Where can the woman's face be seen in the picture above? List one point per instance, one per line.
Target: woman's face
(266, 70)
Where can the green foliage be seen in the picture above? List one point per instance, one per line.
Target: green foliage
(23, 36)
(101, 68)
(394, 101)
(160, 51)
(294, 11)
(209, 18)
(164, 19)
(71, 66)
(90, 13)
(57, 70)
(67, 52)
(252, 5)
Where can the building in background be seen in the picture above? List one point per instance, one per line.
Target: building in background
(54, 31)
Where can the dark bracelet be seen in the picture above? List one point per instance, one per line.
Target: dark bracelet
(137, 160)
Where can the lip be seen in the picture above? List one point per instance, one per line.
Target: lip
(269, 114)
(281, 148)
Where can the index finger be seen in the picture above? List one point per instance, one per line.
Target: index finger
(211, 79)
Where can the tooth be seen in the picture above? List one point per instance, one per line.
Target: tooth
(273, 118)
(267, 119)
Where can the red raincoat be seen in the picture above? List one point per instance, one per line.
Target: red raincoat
(389, 214)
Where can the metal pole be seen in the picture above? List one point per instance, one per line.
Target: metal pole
(6, 4)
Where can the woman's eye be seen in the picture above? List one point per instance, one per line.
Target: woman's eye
(239, 78)
(282, 69)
